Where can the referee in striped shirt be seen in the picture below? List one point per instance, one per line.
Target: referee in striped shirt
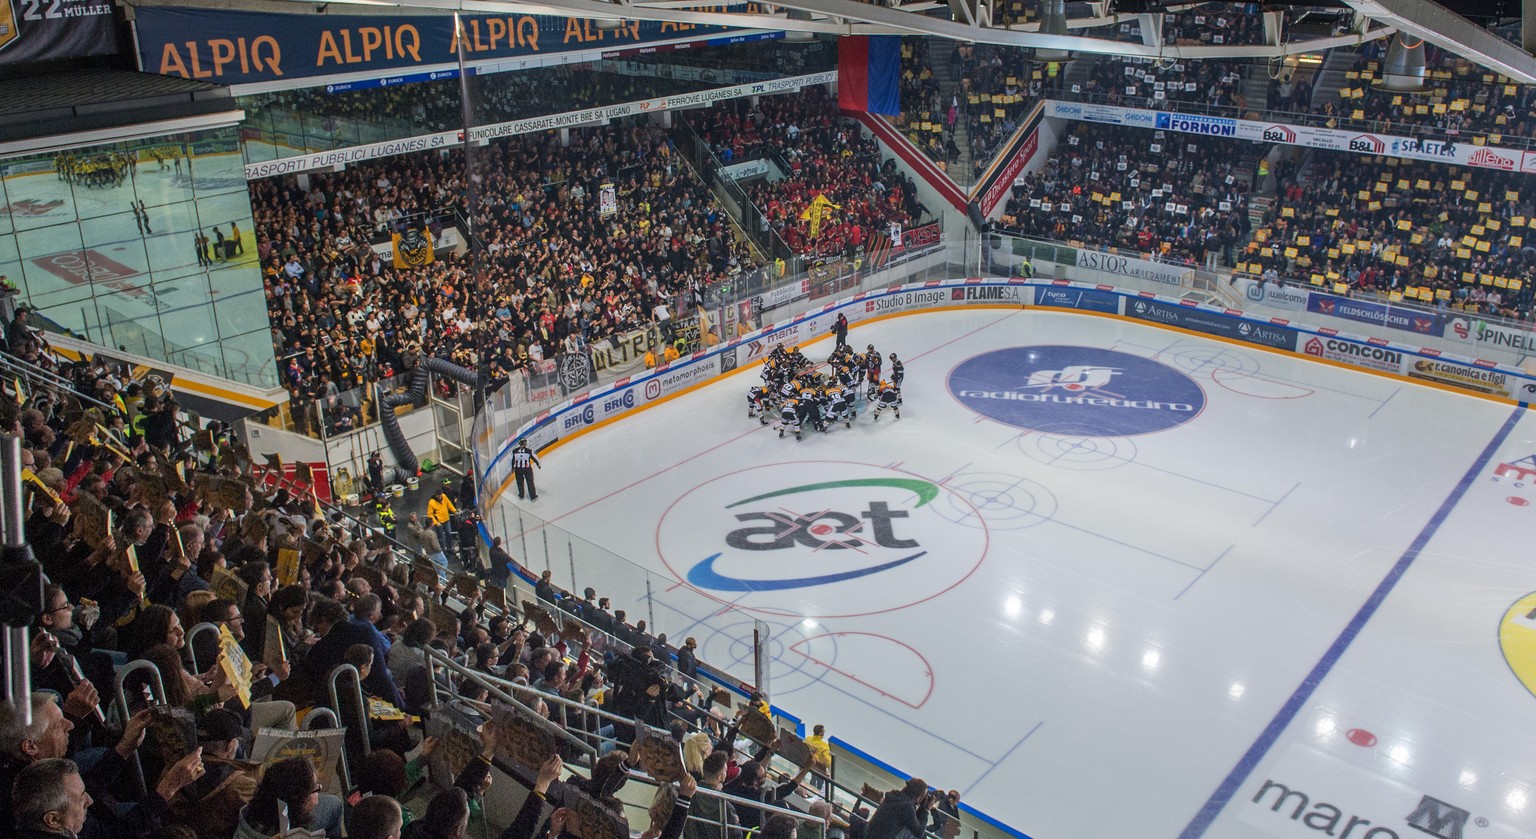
(522, 456)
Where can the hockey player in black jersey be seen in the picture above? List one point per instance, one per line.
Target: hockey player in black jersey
(809, 412)
(898, 373)
(757, 403)
(789, 417)
(872, 371)
(838, 407)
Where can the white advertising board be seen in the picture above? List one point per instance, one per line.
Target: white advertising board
(1434, 151)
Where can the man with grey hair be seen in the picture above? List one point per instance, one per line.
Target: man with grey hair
(49, 800)
(49, 795)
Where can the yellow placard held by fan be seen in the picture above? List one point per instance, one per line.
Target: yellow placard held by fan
(287, 566)
(235, 664)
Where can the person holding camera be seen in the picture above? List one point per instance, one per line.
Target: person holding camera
(903, 812)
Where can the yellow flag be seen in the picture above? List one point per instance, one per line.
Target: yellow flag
(413, 248)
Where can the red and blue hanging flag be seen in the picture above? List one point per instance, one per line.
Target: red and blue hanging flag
(869, 73)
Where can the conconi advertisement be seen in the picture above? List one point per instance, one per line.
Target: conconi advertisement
(1434, 151)
(1368, 353)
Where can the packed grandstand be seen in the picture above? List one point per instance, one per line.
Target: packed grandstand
(205, 612)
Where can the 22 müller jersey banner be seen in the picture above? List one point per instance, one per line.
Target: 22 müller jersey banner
(46, 30)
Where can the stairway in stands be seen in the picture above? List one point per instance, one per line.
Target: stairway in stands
(939, 51)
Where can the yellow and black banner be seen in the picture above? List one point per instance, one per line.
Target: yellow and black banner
(413, 248)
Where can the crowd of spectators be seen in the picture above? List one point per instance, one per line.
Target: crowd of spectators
(141, 539)
(1447, 236)
(557, 272)
(432, 106)
(995, 88)
(1463, 98)
(1150, 83)
(1215, 24)
(824, 154)
(1175, 196)
(928, 115)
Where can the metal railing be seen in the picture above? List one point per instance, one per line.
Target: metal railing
(337, 673)
(156, 687)
(499, 689)
(191, 642)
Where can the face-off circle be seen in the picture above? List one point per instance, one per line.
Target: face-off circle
(1076, 391)
(801, 657)
(1078, 453)
(1004, 502)
(820, 539)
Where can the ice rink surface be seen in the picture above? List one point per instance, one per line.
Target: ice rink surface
(1107, 580)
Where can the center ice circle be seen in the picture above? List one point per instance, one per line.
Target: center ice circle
(821, 539)
(1084, 391)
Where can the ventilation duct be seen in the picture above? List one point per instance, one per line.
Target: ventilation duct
(1404, 71)
(1053, 21)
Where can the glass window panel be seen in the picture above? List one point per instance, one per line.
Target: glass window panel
(240, 301)
(171, 250)
(216, 165)
(35, 194)
(189, 327)
(127, 319)
(250, 358)
(56, 271)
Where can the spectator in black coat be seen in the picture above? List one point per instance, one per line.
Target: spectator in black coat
(898, 813)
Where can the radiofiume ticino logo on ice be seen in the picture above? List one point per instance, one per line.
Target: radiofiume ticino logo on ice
(849, 538)
(1084, 391)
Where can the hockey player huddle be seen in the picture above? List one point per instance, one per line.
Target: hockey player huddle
(803, 396)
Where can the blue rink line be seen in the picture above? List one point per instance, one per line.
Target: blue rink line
(1250, 760)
